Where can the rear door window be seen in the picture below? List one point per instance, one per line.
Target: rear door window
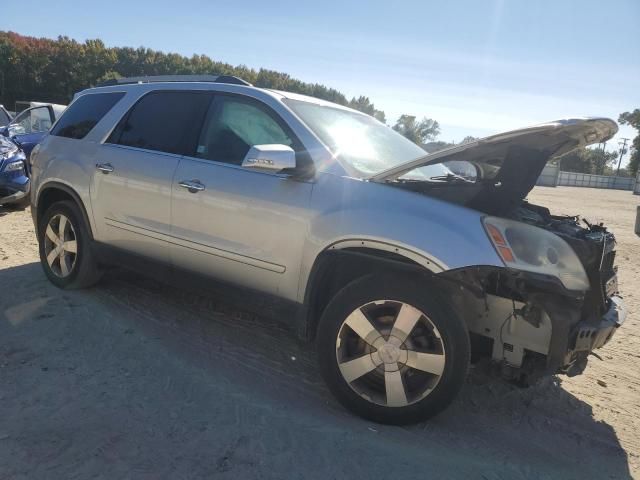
(164, 121)
(80, 118)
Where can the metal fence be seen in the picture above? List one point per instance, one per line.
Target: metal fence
(572, 179)
(552, 176)
(549, 176)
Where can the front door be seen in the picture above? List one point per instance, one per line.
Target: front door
(242, 226)
(134, 170)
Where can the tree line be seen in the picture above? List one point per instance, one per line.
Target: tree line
(633, 120)
(600, 162)
(42, 69)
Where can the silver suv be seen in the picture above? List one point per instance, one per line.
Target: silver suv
(403, 267)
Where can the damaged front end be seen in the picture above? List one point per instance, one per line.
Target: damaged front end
(556, 299)
(529, 322)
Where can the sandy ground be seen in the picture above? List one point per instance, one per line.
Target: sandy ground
(133, 379)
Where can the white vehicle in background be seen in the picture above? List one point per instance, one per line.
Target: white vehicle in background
(22, 105)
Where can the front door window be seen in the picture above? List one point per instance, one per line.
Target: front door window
(233, 126)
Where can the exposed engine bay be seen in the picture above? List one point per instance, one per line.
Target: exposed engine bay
(532, 325)
(593, 244)
(556, 300)
(529, 323)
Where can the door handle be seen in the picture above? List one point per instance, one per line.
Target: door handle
(194, 186)
(105, 167)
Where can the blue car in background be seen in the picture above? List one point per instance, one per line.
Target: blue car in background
(14, 180)
(30, 126)
(17, 140)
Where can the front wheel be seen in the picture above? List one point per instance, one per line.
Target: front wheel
(392, 350)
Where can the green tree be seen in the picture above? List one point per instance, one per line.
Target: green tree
(633, 119)
(588, 160)
(380, 116)
(436, 146)
(419, 132)
(601, 161)
(53, 70)
(364, 105)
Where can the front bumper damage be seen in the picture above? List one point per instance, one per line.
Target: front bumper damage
(539, 331)
(14, 188)
(14, 185)
(587, 336)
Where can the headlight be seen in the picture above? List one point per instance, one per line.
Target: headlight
(14, 166)
(534, 249)
(7, 152)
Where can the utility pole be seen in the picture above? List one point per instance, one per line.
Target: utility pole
(622, 150)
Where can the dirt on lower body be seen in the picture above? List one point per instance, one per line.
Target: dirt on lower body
(135, 379)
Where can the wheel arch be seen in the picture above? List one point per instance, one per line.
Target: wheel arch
(53, 192)
(342, 262)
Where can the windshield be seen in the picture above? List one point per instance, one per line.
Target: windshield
(365, 144)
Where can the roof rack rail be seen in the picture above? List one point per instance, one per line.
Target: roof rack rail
(176, 78)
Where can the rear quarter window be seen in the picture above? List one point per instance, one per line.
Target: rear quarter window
(80, 118)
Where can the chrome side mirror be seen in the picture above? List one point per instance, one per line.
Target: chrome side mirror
(272, 158)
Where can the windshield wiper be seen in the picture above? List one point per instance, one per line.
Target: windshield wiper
(449, 177)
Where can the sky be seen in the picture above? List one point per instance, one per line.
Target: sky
(477, 66)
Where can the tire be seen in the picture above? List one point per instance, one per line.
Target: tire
(431, 362)
(80, 269)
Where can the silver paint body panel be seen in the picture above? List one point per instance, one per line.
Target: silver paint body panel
(248, 227)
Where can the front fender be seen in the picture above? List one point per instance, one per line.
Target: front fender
(437, 235)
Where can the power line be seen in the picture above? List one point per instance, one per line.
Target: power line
(622, 150)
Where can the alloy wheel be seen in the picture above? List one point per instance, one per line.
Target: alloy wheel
(60, 245)
(390, 353)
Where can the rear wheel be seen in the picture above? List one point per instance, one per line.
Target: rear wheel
(65, 249)
(392, 350)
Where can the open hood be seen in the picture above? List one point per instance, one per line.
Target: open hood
(508, 164)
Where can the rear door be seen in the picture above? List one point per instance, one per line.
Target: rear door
(242, 226)
(131, 187)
